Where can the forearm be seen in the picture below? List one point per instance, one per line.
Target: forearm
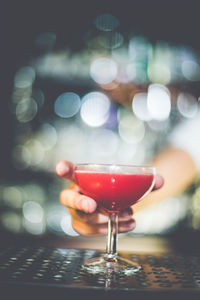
(178, 170)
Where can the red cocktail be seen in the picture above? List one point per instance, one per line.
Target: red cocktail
(114, 188)
(113, 191)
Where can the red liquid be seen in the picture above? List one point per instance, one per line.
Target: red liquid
(114, 192)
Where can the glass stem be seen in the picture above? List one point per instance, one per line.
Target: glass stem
(111, 248)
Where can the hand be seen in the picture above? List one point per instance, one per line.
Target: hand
(87, 218)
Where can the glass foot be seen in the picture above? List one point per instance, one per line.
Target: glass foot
(115, 264)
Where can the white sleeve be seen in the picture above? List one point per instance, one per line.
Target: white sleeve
(187, 136)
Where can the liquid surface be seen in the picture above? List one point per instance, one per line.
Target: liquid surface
(114, 192)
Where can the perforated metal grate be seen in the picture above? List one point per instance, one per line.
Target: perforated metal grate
(55, 266)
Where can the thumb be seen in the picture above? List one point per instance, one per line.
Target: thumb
(159, 181)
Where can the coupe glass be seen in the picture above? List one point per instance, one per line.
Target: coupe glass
(114, 188)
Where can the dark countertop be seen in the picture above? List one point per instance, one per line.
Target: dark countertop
(184, 242)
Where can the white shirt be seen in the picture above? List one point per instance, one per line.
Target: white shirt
(164, 216)
(187, 136)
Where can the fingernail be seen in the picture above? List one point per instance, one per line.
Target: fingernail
(88, 206)
(84, 204)
(62, 169)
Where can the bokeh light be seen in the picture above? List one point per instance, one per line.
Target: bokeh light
(38, 96)
(36, 151)
(12, 197)
(61, 66)
(55, 213)
(103, 70)
(131, 72)
(126, 152)
(158, 102)
(131, 129)
(98, 143)
(24, 77)
(26, 110)
(191, 70)
(71, 139)
(11, 221)
(47, 136)
(159, 126)
(120, 55)
(34, 228)
(33, 212)
(106, 22)
(95, 109)
(67, 105)
(139, 106)
(187, 105)
(111, 40)
(21, 157)
(159, 65)
(139, 49)
(66, 225)
(159, 72)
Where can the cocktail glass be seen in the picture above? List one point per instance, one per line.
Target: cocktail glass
(114, 188)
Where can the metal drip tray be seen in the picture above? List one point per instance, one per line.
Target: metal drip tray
(46, 270)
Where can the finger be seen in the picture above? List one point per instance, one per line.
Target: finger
(94, 218)
(65, 169)
(159, 181)
(71, 198)
(101, 217)
(97, 218)
(125, 213)
(100, 229)
(127, 226)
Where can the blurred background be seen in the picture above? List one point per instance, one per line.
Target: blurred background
(83, 81)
